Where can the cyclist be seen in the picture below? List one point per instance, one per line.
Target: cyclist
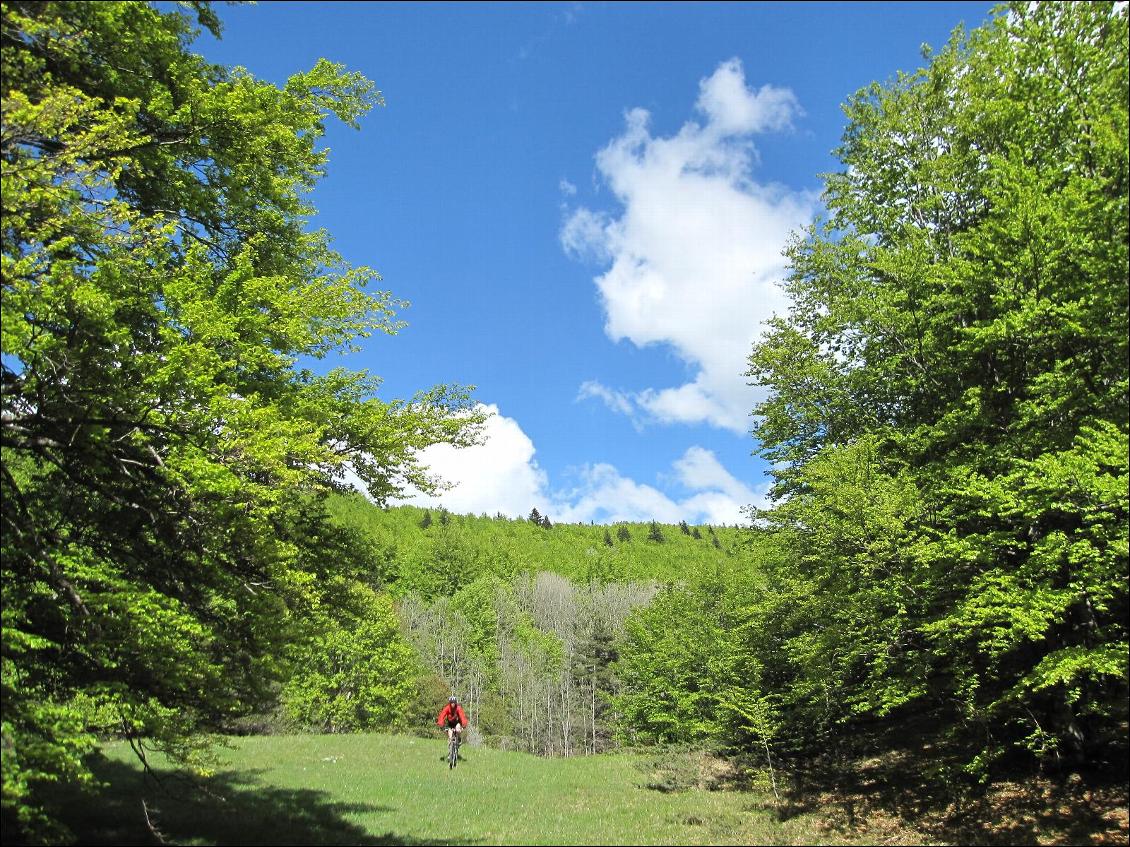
(452, 718)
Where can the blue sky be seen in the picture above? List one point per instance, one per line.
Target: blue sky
(585, 206)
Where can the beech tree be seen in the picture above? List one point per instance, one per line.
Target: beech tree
(948, 416)
(356, 671)
(161, 292)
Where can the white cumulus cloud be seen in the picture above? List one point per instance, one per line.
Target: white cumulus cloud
(502, 475)
(499, 475)
(694, 256)
(606, 496)
(700, 469)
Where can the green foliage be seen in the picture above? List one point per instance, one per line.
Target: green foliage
(948, 416)
(684, 670)
(483, 603)
(441, 560)
(355, 671)
(160, 439)
(665, 669)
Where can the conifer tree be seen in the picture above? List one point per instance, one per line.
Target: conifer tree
(591, 669)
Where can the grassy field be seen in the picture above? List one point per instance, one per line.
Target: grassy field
(374, 789)
(380, 789)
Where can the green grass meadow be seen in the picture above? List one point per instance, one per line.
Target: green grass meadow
(379, 789)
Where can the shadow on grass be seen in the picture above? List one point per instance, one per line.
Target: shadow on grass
(231, 807)
(901, 787)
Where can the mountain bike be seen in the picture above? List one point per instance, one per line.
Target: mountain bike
(453, 749)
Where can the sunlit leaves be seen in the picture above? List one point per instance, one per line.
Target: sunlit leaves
(949, 407)
(161, 289)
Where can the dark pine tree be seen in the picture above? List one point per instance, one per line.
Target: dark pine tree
(591, 670)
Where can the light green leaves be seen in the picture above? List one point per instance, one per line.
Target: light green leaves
(162, 447)
(949, 393)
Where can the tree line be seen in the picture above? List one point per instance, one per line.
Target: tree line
(524, 629)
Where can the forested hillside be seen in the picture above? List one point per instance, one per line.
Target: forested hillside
(521, 618)
(435, 552)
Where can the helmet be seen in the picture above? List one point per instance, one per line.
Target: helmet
(452, 699)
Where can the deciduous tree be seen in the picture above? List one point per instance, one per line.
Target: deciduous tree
(948, 413)
(163, 300)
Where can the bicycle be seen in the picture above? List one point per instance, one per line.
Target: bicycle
(452, 749)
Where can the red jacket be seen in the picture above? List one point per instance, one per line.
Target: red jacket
(452, 715)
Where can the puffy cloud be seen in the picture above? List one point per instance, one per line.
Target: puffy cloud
(617, 401)
(605, 496)
(731, 108)
(695, 255)
(501, 475)
(700, 470)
